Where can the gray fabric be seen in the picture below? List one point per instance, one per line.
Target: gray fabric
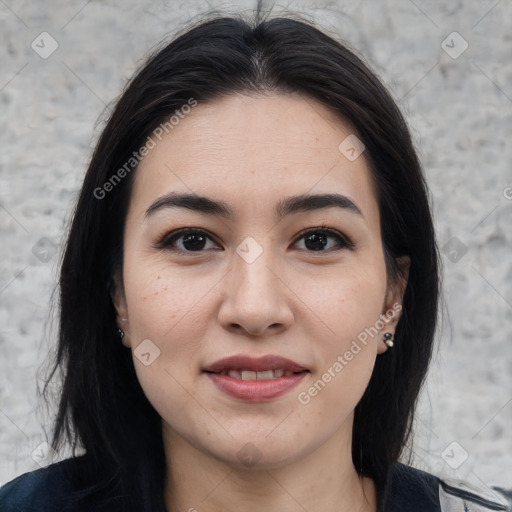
(461, 497)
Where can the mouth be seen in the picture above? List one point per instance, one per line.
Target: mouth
(255, 379)
(261, 365)
(260, 375)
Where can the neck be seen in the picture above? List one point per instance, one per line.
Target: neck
(324, 480)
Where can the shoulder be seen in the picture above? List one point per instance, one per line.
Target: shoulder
(43, 490)
(473, 499)
(413, 489)
(410, 489)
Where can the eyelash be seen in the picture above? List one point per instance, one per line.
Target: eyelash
(168, 239)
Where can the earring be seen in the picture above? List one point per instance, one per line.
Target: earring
(388, 339)
(121, 333)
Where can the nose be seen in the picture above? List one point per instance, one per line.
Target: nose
(256, 299)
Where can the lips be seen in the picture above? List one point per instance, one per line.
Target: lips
(255, 379)
(252, 364)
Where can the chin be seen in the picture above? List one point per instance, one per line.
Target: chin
(257, 457)
(260, 450)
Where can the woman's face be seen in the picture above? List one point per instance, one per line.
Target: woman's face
(202, 308)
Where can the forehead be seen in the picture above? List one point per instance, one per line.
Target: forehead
(260, 147)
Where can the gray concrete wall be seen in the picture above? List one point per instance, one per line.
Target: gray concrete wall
(448, 64)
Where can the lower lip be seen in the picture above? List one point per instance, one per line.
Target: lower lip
(256, 390)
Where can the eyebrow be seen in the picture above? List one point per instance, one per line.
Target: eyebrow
(287, 206)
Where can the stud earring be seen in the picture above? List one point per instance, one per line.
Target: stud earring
(121, 333)
(388, 339)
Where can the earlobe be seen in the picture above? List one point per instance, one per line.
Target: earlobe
(119, 301)
(393, 305)
(390, 316)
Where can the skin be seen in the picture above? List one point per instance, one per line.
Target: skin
(306, 305)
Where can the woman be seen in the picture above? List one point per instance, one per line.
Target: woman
(249, 290)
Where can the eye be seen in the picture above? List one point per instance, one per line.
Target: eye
(316, 239)
(189, 240)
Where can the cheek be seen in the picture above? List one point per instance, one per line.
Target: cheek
(166, 307)
(350, 306)
(350, 301)
(359, 307)
(165, 301)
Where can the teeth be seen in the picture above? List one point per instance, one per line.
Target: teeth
(264, 375)
(268, 374)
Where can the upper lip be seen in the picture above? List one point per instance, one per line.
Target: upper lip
(255, 364)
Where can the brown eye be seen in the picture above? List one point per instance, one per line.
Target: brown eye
(185, 240)
(317, 239)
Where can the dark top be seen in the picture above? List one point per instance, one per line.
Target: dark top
(55, 489)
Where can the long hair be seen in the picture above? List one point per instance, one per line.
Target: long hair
(102, 407)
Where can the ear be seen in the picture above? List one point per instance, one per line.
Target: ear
(119, 300)
(392, 308)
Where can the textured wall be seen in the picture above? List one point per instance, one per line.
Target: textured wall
(447, 63)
